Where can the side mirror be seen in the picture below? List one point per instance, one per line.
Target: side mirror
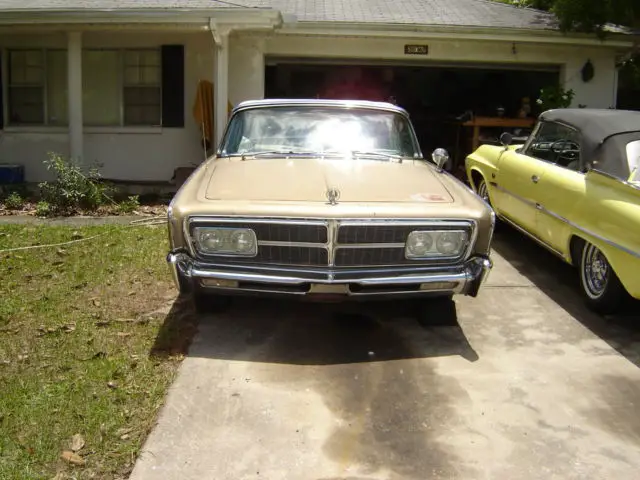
(506, 139)
(440, 157)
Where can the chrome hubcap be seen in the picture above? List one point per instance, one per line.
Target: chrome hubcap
(595, 271)
(483, 192)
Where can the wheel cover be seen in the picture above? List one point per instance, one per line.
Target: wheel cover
(483, 192)
(596, 272)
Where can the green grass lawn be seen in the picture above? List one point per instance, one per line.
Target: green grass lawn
(91, 336)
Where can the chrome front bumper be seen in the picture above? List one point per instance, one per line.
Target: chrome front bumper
(465, 279)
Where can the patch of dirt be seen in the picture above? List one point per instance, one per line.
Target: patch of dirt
(29, 208)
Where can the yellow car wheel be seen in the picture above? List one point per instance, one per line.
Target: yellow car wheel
(483, 191)
(600, 285)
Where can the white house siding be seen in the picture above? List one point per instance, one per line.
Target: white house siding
(152, 154)
(126, 153)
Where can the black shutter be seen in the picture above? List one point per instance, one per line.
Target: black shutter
(173, 85)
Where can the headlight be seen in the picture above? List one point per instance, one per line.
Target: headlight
(225, 241)
(435, 243)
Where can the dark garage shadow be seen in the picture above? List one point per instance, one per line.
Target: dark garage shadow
(305, 333)
(559, 281)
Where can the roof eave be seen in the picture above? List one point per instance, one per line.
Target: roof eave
(459, 32)
(232, 15)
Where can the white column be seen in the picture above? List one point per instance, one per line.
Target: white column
(221, 85)
(74, 83)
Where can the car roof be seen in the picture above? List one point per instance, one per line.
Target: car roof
(316, 102)
(604, 135)
(597, 124)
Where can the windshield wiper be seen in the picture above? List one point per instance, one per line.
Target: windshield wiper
(388, 156)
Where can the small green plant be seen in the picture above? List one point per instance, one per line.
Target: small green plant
(129, 205)
(73, 189)
(555, 97)
(14, 201)
(43, 209)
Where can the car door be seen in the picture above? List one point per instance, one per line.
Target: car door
(517, 180)
(561, 191)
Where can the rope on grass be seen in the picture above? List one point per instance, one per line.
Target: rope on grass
(144, 222)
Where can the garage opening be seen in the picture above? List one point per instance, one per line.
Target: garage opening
(453, 106)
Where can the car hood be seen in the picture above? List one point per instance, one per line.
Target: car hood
(308, 179)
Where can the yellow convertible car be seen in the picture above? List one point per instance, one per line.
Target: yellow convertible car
(574, 187)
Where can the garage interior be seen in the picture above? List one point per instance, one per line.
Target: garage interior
(454, 106)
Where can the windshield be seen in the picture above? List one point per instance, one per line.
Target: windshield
(633, 157)
(318, 129)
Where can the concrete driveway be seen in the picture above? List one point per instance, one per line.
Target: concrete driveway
(525, 384)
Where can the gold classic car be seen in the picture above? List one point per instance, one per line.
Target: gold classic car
(327, 200)
(574, 187)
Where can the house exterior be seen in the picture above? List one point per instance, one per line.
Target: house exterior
(114, 82)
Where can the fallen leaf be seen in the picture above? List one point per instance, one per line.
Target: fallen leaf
(124, 431)
(124, 334)
(102, 323)
(131, 293)
(72, 458)
(69, 327)
(61, 251)
(112, 384)
(96, 302)
(77, 442)
(76, 235)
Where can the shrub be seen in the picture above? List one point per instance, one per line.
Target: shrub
(129, 205)
(43, 209)
(14, 201)
(72, 189)
(555, 97)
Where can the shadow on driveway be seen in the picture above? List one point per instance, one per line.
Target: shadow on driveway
(305, 333)
(559, 281)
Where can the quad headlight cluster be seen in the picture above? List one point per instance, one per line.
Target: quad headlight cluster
(225, 241)
(423, 244)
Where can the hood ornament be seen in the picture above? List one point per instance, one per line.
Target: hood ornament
(333, 195)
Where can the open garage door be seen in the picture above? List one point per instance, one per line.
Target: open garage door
(440, 97)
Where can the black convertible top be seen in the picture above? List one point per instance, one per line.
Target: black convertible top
(604, 135)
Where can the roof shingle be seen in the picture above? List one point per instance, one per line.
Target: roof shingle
(472, 13)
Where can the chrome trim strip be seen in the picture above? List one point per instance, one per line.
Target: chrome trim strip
(345, 246)
(541, 208)
(252, 219)
(268, 243)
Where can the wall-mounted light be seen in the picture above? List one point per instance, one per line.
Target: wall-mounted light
(588, 71)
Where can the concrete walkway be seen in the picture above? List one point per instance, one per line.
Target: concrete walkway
(526, 384)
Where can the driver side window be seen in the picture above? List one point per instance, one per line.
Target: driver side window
(557, 144)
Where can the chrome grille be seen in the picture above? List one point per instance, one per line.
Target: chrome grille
(356, 243)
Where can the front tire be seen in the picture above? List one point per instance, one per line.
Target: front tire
(600, 285)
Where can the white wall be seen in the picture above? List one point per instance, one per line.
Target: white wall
(152, 154)
(246, 69)
(149, 154)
